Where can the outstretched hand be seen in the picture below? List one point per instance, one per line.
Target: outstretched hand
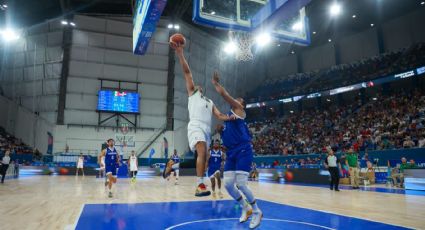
(216, 78)
(177, 47)
(219, 128)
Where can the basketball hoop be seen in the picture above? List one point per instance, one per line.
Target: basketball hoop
(124, 128)
(244, 42)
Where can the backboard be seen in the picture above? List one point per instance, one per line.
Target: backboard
(286, 20)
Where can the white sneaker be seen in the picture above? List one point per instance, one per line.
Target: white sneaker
(214, 195)
(256, 219)
(220, 194)
(246, 213)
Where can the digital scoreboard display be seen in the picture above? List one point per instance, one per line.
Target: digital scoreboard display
(118, 102)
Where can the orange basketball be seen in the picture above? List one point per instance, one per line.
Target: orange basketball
(289, 176)
(177, 39)
(63, 171)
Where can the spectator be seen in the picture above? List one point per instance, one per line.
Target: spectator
(398, 177)
(408, 143)
(421, 142)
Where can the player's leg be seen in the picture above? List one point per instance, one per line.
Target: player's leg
(176, 176)
(212, 179)
(230, 185)
(201, 149)
(218, 179)
(243, 166)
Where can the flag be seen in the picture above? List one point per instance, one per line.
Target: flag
(165, 148)
(151, 153)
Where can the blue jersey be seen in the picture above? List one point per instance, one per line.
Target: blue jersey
(235, 132)
(215, 159)
(175, 158)
(111, 156)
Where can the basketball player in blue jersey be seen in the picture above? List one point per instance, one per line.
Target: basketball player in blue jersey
(112, 161)
(215, 160)
(176, 166)
(201, 110)
(237, 139)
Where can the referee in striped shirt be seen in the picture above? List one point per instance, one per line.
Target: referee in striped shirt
(333, 165)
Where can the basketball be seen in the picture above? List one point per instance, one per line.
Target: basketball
(177, 39)
(63, 171)
(289, 176)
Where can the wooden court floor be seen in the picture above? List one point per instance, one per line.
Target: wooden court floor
(55, 202)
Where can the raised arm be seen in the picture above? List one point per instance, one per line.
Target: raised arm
(223, 92)
(190, 86)
(222, 117)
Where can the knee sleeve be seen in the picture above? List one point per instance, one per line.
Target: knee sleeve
(229, 184)
(241, 183)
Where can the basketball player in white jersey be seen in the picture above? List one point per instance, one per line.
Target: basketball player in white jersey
(132, 162)
(201, 110)
(80, 164)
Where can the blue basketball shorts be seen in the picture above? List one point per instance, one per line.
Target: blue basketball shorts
(111, 168)
(239, 158)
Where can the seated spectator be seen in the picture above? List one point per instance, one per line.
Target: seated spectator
(398, 177)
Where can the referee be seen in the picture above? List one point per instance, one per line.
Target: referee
(4, 165)
(333, 165)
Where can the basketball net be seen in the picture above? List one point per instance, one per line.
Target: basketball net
(124, 128)
(244, 42)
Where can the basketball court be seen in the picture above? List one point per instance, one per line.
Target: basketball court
(152, 203)
(152, 121)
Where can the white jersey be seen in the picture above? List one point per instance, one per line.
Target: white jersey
(133, 163)
(80, 162)
(200, 109)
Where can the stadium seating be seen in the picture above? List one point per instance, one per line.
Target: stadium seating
(390, 122)
(340, 75)
(16, 146)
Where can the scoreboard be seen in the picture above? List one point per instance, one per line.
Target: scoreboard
(118, 102)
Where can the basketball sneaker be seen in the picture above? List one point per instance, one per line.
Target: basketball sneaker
(220, 194)
(201, 190)
(246, 213)
(256, 219)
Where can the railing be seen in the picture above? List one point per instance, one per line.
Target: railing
(151, 141)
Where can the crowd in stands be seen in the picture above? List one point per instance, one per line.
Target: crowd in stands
(390, 122)
(341, 75)
(15, 145)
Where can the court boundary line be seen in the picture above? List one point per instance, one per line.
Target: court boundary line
(330, 212)
(74, 226)
(270, 219)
